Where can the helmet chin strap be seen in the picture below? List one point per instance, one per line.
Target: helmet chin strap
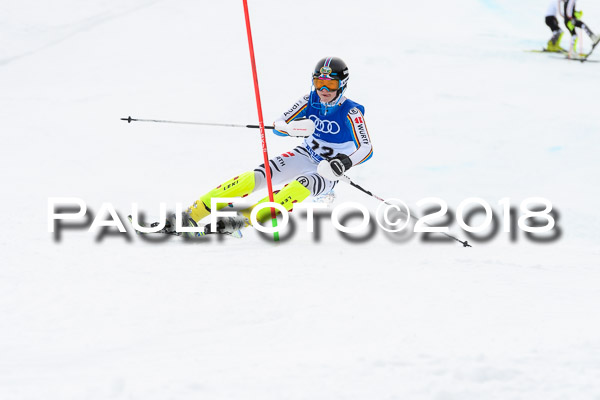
(326, 106)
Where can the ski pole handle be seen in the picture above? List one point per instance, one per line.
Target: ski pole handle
(162, 121)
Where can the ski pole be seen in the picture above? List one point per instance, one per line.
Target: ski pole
(129, 120)
(346, 179)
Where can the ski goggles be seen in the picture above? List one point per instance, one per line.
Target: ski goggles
(329, 84)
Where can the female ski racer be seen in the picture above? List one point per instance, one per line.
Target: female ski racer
(573, 20)
(552, 22)
(336, 139)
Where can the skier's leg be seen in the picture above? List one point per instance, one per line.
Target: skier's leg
(570, 24)
(552, 23)
(557, 33)
(554, 42)
(290, 194)
(311, 184)
(284, 168)
(316, 183)
(239, 186)
(580, 24)
(300, 171)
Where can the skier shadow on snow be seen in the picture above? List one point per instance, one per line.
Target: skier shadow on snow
(322, 217)
(61, 225)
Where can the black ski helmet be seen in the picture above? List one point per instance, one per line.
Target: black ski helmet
(332, 68)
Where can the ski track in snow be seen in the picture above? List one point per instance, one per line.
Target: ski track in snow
(455, 109)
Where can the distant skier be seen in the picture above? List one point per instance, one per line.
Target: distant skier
(552, 22)
(336, 140)
(573, 20)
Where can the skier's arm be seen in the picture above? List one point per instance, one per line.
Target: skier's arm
(297, 110)
(360, 135)
(303, 127)
(334, 168)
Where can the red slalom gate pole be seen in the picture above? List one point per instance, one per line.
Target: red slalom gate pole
(261, 123)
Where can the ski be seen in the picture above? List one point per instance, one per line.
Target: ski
(236, 234)
(544, 50)
(151, 225)
(589, 53)
(236, 231)
(584, 57)
(578, 58)
(162, 231)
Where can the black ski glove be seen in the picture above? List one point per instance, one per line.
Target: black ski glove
(340, 164)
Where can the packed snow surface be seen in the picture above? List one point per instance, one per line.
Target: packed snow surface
(456, 108)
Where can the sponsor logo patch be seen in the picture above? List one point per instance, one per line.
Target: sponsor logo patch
(303, 180)
(325, 126)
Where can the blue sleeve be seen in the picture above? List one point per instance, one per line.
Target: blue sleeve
(278, 133)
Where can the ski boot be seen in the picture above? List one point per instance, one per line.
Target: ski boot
(229, 225)
(573, 48)
(554, 42)
(186, 222)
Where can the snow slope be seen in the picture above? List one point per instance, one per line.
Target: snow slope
(455, 109)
